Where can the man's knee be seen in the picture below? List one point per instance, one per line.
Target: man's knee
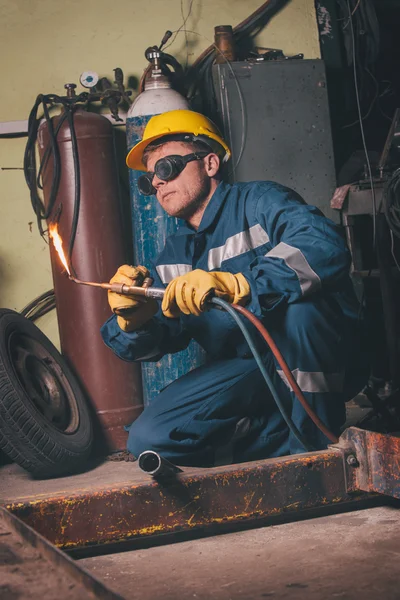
(316, 321)
(305, 315)
(143, 436)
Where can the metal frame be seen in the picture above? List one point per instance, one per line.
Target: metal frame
(373, 462)
(361, 463)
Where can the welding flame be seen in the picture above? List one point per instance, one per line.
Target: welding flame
(57, 241)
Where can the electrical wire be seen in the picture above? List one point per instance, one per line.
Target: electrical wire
(362, 128)
(354, 10)
(371, 106)
(242, 113)
(184, 24)
(185, 19)
(47, 153)
(39, 306)
(368, 33)
(231, 309)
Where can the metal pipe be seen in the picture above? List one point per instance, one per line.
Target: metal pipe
(155, 465)
(127, 290)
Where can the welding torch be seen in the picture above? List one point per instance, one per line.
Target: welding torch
(145, 290)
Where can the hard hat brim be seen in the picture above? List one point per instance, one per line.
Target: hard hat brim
(134, 156)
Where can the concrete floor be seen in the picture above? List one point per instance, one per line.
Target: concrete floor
(347, 556)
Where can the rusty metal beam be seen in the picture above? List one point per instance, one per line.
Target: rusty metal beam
(373, 461)
(31, 567)
(197, 499)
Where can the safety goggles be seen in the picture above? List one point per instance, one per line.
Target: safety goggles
(166, 169)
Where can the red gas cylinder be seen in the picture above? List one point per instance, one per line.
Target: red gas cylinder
(113, 386)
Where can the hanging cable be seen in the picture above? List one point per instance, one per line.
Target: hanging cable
(47, 154)
(32, 176)
(39, 306)
(362, 128)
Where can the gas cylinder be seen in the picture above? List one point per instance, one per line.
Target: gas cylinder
(112, 385)
(151, 224)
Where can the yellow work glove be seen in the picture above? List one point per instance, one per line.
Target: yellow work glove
(132, 312)
(188, 293)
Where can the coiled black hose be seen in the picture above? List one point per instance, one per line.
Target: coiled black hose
(33, 176)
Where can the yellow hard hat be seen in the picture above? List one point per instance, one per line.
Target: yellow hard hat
(175, 122)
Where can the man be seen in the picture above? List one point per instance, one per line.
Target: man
(255, 244)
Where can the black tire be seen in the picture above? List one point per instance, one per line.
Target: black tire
(45, 422)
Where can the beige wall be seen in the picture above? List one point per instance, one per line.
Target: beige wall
(45, 43)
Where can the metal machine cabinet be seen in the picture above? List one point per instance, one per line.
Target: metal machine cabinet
(275, 116)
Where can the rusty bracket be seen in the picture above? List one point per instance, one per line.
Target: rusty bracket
(371, 461)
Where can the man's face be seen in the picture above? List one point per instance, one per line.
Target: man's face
(184, 196)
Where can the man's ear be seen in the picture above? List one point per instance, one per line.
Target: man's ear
(212, 164)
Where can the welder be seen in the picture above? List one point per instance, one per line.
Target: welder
(255, 244)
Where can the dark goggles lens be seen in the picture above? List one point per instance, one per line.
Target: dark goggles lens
(145, 184)
(166, 169)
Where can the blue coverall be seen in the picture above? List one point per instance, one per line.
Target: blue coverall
(297, 265)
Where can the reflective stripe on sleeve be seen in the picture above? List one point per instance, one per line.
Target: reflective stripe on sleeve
(315, 382)
(237, 244)
(295, 260)
(168, 272)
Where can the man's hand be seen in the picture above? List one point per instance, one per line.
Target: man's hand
(132, 312)
(189, 293)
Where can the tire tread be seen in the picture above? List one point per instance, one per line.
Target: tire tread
(25, 440)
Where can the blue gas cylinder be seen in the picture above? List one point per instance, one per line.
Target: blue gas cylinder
(151, 226)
